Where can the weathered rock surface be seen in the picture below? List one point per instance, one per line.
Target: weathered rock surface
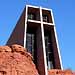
(15, 60)
(60, 72)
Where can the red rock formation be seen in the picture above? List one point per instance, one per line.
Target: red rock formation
(60, 72)
(14, 60)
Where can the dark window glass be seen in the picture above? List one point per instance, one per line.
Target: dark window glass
(49, 55)
(30, 43)
(45, 18)
(31, 16)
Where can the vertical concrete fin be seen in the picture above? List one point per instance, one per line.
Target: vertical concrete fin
(43, 42)
(25, 26)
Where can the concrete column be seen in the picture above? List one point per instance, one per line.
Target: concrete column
(43, 42)
(57, 41)
(26, 14)
(58, 48)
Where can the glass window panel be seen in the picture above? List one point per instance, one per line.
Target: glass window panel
(45, 18)
(30, 16)
(30, 43)
(49, 55)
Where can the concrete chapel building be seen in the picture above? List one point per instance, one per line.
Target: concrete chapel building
(36, 31)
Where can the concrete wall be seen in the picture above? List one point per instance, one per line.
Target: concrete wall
(40, 56)
(55, 51)
(17, 36)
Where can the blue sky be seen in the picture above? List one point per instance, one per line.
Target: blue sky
(64, 14)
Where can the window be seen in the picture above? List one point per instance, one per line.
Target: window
(49, 53)
(30, 43)
(45, 18)
(30, 16)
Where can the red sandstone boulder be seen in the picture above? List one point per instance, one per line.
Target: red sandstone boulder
(5, 49)
(17, 48)
(13, 62)
(22, 50)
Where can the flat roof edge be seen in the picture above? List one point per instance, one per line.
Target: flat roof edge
(39, 7)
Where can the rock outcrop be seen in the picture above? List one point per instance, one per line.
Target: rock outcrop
(15, 60)
(60, 72)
